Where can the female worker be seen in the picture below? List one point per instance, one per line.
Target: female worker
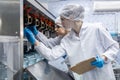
(51, 42)
(84, 41)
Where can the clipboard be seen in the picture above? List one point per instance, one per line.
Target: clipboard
(83, 66)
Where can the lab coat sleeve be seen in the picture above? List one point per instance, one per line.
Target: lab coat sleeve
(50, 53)
(51, 42)
(111, 47)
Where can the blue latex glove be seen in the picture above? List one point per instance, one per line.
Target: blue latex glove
(33, 29)
(29, 35)
(99, 62)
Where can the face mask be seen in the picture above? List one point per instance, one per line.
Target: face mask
(68, 24)
(77, 26)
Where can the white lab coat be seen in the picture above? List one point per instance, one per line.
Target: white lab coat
(93, 40)
(51, 42)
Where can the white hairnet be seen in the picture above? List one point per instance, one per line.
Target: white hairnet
(58, 22)
(73, 12)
